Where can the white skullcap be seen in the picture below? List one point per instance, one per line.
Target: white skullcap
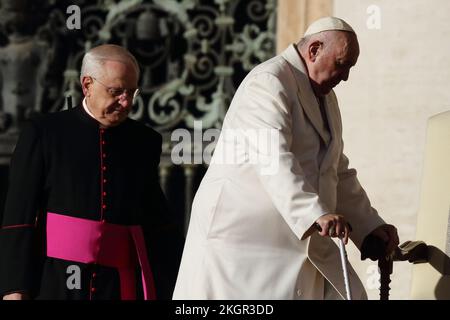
(327, 24)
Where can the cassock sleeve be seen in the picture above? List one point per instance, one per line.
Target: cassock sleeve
(352, 201)
(163, 233)
(18, 242)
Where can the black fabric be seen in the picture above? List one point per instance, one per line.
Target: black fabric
(56, 167)
(373, 248)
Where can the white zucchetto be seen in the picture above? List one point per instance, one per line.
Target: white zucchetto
(328, 24)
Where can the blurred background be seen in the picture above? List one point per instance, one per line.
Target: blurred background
(194, 53)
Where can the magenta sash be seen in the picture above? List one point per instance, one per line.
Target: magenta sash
(102, 243)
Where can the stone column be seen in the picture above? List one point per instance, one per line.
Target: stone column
(294, 16)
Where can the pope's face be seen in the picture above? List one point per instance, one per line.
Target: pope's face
(109, 95)
(332, 64)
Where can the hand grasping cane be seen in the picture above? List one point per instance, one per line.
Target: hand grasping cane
(344, 259)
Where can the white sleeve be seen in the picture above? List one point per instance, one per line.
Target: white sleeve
(264, 107)
(353, 203)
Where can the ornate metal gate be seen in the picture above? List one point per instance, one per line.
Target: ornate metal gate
(193, 54)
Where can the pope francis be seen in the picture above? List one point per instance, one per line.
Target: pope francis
(253, 232)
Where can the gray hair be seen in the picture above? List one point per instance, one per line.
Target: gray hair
(96, 57)
(303, 41)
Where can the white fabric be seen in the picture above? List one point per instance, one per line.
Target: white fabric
(328, 24)
(250, 235)
(86, 108)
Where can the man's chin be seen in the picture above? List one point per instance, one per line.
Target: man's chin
(115, 119)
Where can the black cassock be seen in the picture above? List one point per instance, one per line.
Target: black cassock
(65, 163)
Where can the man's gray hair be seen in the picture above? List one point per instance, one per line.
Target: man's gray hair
(303, 41)
(96, 57)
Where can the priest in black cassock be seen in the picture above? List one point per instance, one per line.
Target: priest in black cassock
(85, 217)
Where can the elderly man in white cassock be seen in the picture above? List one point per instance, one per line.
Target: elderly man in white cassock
(253, 232)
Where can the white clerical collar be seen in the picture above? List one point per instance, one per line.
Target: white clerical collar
(90, 113)
(86, 108)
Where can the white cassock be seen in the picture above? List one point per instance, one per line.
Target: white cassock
(250, 235)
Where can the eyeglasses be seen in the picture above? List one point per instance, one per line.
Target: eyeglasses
(119, 92)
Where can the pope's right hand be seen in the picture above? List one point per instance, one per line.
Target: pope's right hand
(333, 225)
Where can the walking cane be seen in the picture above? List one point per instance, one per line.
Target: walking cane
(344, 262)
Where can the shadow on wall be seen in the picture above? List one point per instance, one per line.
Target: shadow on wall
(441, 263)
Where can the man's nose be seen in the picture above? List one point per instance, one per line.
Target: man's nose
(125, 102)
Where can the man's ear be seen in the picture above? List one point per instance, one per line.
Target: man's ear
(86, 83)
(314, 49)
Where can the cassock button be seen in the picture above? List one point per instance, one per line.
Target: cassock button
(103, 142)
(104, 155)
(94, 275)
(104, 206)
(104, 168)
(93, 289)
(104, 180)
(104, 194)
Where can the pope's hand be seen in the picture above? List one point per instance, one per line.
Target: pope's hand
(333, 225)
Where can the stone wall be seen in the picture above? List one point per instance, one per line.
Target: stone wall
(401, 79)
